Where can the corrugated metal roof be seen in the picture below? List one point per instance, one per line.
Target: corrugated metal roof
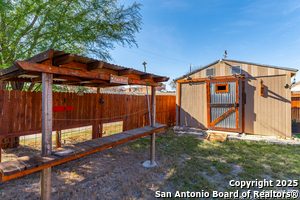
(251, 63)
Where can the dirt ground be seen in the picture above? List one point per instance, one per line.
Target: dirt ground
(115, 173)
(185, 163)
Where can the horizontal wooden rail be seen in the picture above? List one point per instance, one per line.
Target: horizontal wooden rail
(9, 170)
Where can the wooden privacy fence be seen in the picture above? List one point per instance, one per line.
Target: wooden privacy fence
(295, 104)
(21, 111)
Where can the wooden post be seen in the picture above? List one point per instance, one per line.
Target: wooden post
(47, 80)
(153, 105)
(153, 113)
(58, 139)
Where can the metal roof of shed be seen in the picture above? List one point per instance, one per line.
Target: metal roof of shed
(250, 63)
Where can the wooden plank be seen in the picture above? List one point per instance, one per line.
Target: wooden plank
(8, 70)
(45, 55)
(38, 108)
(47, 114)
(35, 161)
(22, 110)
(57, 162)
(28, 111)
(95, 65)
(1, 111)
(11, 111)
(125, 72)
(83, 147)
(16, 113)
(228, 112)
(161, 79)
(66, 152)
(103, 141)
(11, 167)
(63, 59)
(93, 145)
(217, 137)
(147, 76)
(34, 111)
(58, 138)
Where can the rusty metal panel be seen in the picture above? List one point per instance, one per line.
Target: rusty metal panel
(223, 98)
(228, 97)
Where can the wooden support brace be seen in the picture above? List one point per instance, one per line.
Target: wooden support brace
(58, 139)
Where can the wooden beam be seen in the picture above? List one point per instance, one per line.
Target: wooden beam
(48, 54)
(77, 73)
(37, 80)
(31, 86)
(63, 59)
(95, 65)
(147, 76)
(125, 72)
(228, 112)
(69, 78)
(153, 124)
(62, 71)
(63, 160)
(161, 79)
(58, 139)
(26, 80)
(8, 70)
(47, 80)
(47, 114)
(45, 192)
(153, 105)
(97, 81)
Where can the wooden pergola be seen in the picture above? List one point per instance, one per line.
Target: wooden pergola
(61, 68)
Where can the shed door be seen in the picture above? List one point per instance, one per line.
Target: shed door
(222, 104)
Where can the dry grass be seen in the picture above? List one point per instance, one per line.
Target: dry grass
(185, 163)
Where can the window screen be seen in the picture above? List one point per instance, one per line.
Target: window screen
(236, 69)
(210, 72)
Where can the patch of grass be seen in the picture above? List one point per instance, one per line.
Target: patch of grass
(200, 164)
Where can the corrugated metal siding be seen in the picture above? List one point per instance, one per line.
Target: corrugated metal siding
(227, 122)
(227, 97)
(222, 97)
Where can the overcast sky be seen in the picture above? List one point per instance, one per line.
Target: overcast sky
(177, 33)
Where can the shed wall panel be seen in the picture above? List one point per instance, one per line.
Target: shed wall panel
(193, 110)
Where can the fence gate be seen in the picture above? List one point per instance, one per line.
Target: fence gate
(223, 104)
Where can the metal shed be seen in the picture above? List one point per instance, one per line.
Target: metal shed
(236, 96)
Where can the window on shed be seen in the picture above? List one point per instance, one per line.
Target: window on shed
(210, 72)
(236, 69)
(221, 88)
